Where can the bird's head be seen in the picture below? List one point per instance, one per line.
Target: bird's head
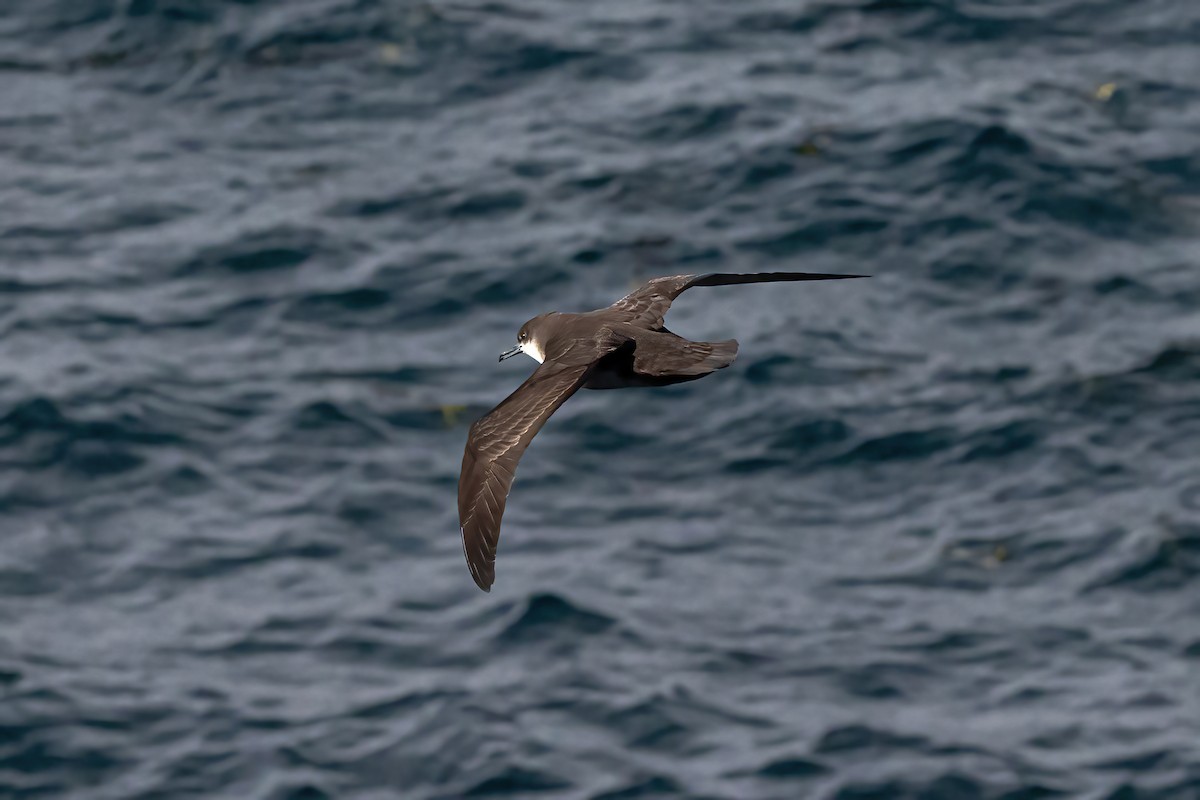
(531, 339)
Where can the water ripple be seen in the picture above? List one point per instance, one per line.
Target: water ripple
(933, 535)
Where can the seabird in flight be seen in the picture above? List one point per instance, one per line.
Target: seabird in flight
(617, 347)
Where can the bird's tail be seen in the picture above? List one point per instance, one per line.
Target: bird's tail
(722, 354)
(668, 355)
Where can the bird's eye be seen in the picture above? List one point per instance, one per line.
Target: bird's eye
(523, 336)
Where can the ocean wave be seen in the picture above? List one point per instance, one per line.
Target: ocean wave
(931, 535)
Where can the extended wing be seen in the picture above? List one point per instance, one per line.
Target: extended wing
(647, 305)
(494, 446)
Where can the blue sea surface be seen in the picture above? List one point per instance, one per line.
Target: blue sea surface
(935, 535)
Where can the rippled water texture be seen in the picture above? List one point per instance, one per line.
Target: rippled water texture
(934, 535)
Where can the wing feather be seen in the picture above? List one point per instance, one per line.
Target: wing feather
(647, 305)
(494, 446)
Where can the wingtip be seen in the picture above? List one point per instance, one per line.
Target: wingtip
(480, 580)
(475, 576)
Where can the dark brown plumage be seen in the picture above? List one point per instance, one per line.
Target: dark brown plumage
(617, 347)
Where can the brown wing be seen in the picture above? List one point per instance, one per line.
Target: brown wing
(646, 306)
(494, 446)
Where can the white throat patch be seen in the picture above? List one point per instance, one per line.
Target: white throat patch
(531, 349)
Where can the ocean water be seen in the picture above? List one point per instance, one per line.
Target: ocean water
(934, 535)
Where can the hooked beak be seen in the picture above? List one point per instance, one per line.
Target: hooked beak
(510, 352)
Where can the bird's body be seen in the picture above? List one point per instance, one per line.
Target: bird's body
(621, 346)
